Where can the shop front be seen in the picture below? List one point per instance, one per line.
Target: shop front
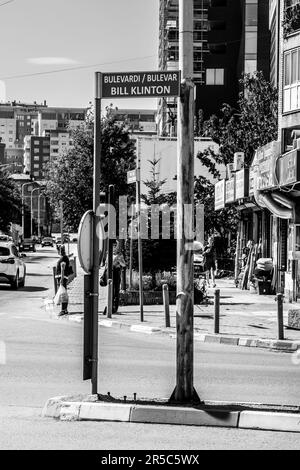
(267, 197)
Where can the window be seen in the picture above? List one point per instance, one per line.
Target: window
(250, 42)
(214, 76)
(291, 80)
(251, 15)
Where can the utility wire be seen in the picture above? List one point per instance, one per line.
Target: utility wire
(5, 3)
(69, 69)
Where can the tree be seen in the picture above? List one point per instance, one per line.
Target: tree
(10, 202)
(70, 178)
(158, 254)
(252, 124)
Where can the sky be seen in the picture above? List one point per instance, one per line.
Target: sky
(38, 36)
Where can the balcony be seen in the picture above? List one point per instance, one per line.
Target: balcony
(291, 19)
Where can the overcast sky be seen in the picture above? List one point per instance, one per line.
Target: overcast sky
(38, 36)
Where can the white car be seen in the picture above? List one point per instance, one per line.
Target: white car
(12, 266)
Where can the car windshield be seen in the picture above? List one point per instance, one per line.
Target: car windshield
(4, 251)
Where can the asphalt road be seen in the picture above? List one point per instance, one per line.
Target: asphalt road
(44, 359)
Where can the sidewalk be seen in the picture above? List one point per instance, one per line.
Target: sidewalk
(246, 319)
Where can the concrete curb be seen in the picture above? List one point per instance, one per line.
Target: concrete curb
(270, 344)
(186, 416)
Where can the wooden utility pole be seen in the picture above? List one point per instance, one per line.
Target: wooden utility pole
(184, 391)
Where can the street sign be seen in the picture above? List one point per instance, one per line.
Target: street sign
(133, 176)
(140, 84)
(85, 241)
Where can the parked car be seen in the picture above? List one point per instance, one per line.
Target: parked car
(47, 241)
(12, 266)
(5, 238)
(27, 244)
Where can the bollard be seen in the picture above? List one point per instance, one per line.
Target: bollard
(166, 305)
(109, 298)
(217, 312)
(279, 299)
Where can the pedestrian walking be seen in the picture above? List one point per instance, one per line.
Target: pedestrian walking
(209, 258)
(62, 273)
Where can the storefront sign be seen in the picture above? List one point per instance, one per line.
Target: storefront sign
(266, 158)
(230, 191)
(242, 184)
(140, 84)
(220, 195)
(253, 175)
(289, 167)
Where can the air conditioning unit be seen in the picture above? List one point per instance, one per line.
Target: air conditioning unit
(229, 170)
(296, 143)
(239, 160)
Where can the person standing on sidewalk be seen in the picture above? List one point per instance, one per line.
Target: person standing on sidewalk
(118, 264)
(62, 272)
(209, 258)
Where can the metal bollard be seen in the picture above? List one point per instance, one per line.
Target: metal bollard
(109, 298)
(217, 312)
(279, 299)
(166, 305)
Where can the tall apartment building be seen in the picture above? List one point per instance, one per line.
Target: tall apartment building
(60, 142)
(139, 121)
(230, 37)
(36, 155)
(60, 118)
(18, 120)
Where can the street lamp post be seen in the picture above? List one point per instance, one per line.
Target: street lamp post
(39, 215)
(23, 208)
(31, 208)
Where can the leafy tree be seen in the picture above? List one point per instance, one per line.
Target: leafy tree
(70, 178)
(10, 202)
(252, 124)
(158, 254)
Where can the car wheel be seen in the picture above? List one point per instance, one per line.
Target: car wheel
(15, 283)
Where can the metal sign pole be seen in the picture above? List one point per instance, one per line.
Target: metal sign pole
(140, 247)
(96, 202)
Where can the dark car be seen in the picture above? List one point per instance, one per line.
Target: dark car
(47, 241)
(28, 244)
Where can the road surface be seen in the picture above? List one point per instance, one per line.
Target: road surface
(44, 359)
